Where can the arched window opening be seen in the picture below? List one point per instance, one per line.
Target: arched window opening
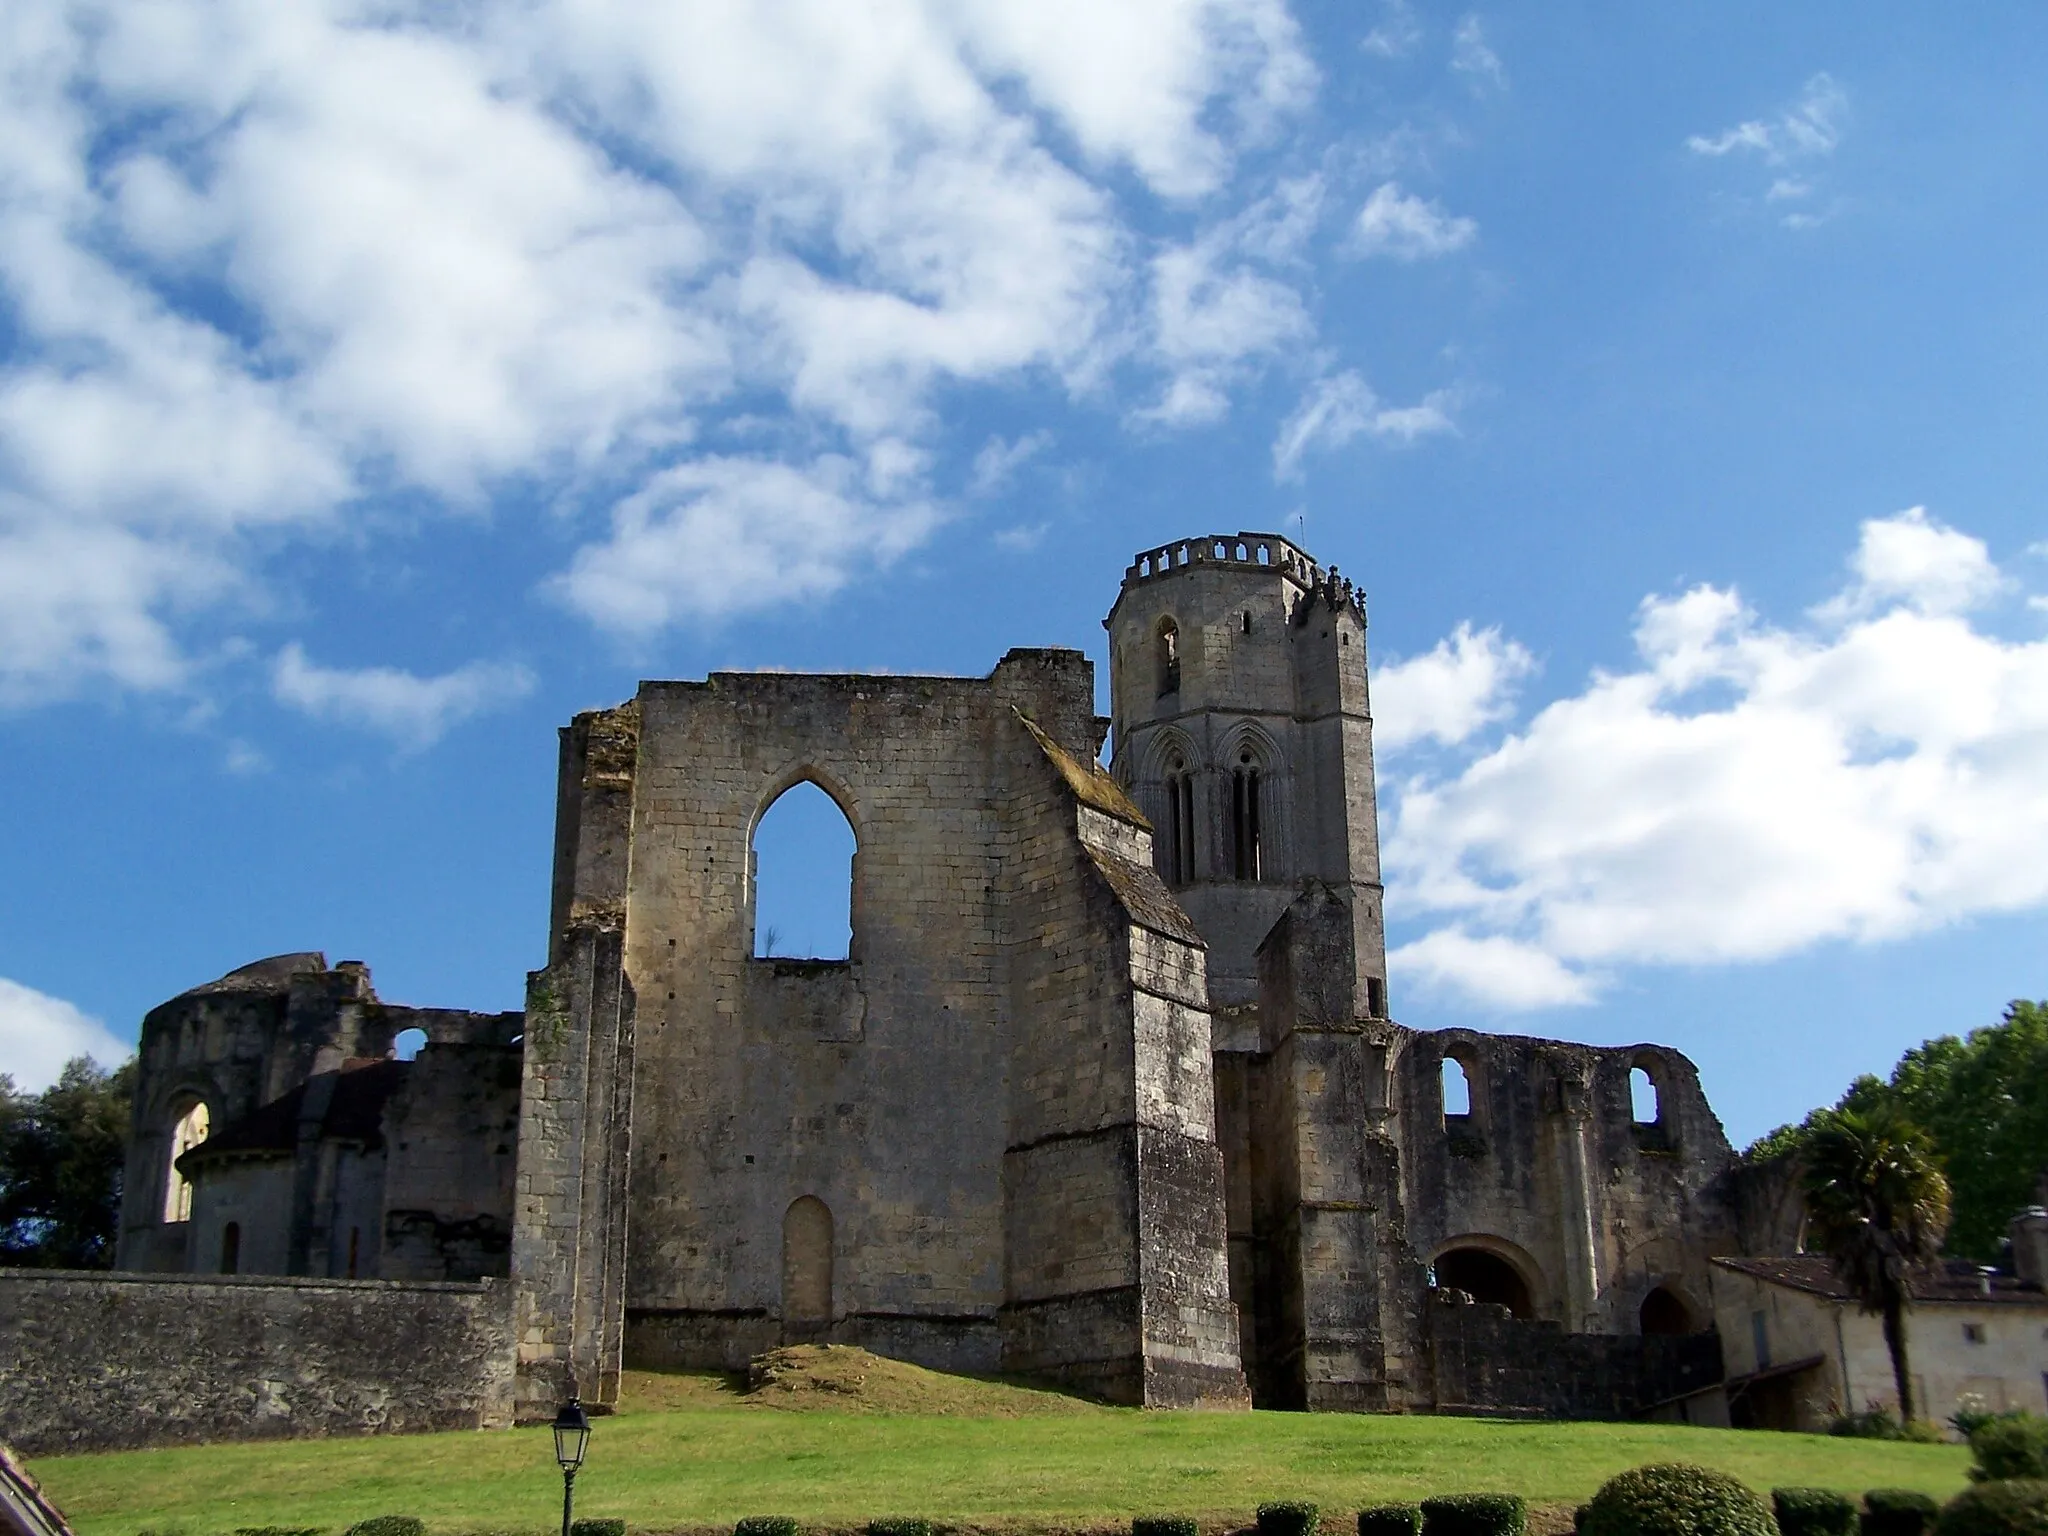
(1457, 1090)
(1244, 621)
(804, 850)
(407, 1044)
(231, 1248)
(1665, 1315)
(1169, 657)
(1177, 851)
(1642, 1097)
(1265, 555)
(1485, 1277)
(1246, 852)
(806, 1263)
(189, 1131)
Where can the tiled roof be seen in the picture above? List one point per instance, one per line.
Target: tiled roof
(1950, 1280)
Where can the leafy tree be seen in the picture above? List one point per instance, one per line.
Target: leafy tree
(1876, 1204)
(1984, 1100)
(60, 1167)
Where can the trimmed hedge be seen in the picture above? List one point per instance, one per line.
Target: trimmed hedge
(613, 1527)
(900, 1525)
(279, 1530)
(1288, 1517)
(1813, 1512)
(388, 1525)
(1164, 1525)
(1390, 1520)
(1898, 1512)
(1475, 1514)
(2013, 1506)
(1673, 1498)
(765, 1525)
(2014, 1445)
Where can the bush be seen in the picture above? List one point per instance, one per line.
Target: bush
(1897, 1512)
(1813, 1512)
(1475, 1514)
(900, 1525)
(2015, 1445)
(1288, 1517)
(388, 1525)
(1870, 1424)
(279, 1530)
(1390, 1520)
(597, 1528)
(1675, 1499)
(2016, 1506)
(1579, 1518)
(1164, 1525)
(766, 1525)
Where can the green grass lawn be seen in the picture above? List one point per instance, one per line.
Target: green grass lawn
(684, 1453)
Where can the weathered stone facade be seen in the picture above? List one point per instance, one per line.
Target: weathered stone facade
(1108, 1089)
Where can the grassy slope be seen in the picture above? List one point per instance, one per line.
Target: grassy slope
(834, 1441)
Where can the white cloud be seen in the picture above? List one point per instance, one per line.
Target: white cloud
(1398, 32)
(1472, 58)
(1342, 406)
(1811, 127)
(1910, 558)
(1000, 459)
(268, 263)
(40, 1033)
(1023, 537)
(1393, 223)
(1492, 971)
(1449, 693)
(1750, 790)
(414, 711)
(721, 535)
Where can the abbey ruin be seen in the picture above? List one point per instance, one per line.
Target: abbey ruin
(1109, 1090)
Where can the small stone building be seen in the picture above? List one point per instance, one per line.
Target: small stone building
(1108, 1089)
(1798, 1350)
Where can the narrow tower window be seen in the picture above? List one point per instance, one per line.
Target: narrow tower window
(185, 1135)
(1244, 621)
(231, 1248)
(1245, 849)
(1177, 850)
(804, 851)
(1169, 657)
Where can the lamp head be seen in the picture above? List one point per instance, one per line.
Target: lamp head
(572, 1435)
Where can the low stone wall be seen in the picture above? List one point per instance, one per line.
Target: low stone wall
(1485, 1361)
(95, 1361)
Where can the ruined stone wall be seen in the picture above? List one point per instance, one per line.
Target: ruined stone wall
(1551, 1172)
(94, 1362)
(1483, 1360)
(451, 1137)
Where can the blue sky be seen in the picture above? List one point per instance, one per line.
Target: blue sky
(383, 384)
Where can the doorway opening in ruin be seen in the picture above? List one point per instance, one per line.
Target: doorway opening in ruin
(189, 1130)
(1457, 1090)
(1485, 1277)
(231, 1248)
(803, 854)
(806, 1268)
(1664, 1315)
(1642, 1097)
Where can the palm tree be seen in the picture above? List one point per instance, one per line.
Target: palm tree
(1876, 1204)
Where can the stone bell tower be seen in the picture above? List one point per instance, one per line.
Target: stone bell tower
(1243, 729)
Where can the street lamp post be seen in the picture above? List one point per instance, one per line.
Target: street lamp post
(572, 1435)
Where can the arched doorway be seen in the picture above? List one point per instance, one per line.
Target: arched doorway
(1664, 1314)
(1485, 1277)
(806, 1268)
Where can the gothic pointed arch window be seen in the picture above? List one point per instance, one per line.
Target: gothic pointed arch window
(804, 851)
(1247, 811)
(1177, 846)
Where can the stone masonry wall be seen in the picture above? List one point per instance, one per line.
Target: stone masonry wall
(92, 1361)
